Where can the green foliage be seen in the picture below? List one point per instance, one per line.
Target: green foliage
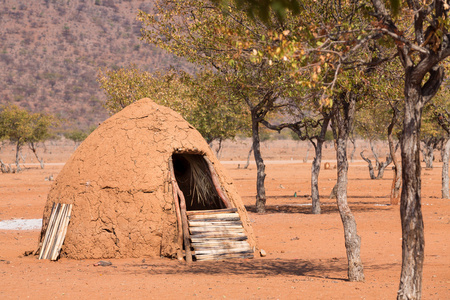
(124, 86)
(78, 135)
(199, 99)
(261, 9)
(222, 38)
(20, 126)
(329, 136)
(395, 6)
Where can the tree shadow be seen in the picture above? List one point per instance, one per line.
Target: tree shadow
(248, 267)
(333, 269)
(326, 208)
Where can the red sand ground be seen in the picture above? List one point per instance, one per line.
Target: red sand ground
(305, 253)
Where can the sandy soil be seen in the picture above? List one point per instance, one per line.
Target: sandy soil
(305, 253)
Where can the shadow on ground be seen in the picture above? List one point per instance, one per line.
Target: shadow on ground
(249, 267)
(325, 208)
(335, 268)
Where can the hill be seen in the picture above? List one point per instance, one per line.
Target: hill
(51, 51)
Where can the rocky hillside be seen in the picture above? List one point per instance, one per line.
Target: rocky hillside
(51, 51)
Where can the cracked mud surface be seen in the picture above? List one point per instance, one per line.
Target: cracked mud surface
(118, 183)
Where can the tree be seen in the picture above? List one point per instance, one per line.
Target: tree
(374, 129)
(207, 35)
(441, 113)
(432, 134)
(200, 98)
(397, 178)
(344, 109)
(313, 128)
(324, 50)
(444, 121)
(22, 127)
(422, 43)
(78, 135)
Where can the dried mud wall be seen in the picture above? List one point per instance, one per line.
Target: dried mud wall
(117, 181)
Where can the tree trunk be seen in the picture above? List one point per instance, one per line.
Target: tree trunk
(445, 153)
(219, 148)
(428, 155)
(248, 157)
(369, 162)
(413, 241)
(352, 155)
(4, 168)
(40, 160)
(375, 154)
(382, 166)
(260, 167)
(344, 111)
(305, 159)
(396, 181)
(315, 168)
(18, 147)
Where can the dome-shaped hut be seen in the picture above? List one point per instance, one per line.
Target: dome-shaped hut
(134, 182)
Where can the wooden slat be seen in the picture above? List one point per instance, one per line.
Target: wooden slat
(201, 230)
(62, 233)
(50, 225)
(218, 235)
(225, 245)
(56, 231)
(233, 216)
(186, 237)
(177, 210)
(198, 223)
(222, 251)
(224, 256)
(212, 211)
(227, 219)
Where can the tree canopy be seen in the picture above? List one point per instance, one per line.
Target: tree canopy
(201, 98)
(22, 127)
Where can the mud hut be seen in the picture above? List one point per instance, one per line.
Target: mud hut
(137, 184)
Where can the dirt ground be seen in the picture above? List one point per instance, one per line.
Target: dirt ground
(305, 253)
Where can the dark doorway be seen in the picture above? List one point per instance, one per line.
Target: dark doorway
(194, 179)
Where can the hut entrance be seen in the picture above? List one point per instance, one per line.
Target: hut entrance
(195, 181)
(208, 226)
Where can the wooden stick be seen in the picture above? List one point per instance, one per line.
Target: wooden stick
(58, 236)
(187, 243)
(216, 183)
(67, 209)
(50, 230)
(47, 231)
(177, 208)
(56, 229)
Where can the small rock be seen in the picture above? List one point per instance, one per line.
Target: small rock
(103, 263)
(262, 252)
